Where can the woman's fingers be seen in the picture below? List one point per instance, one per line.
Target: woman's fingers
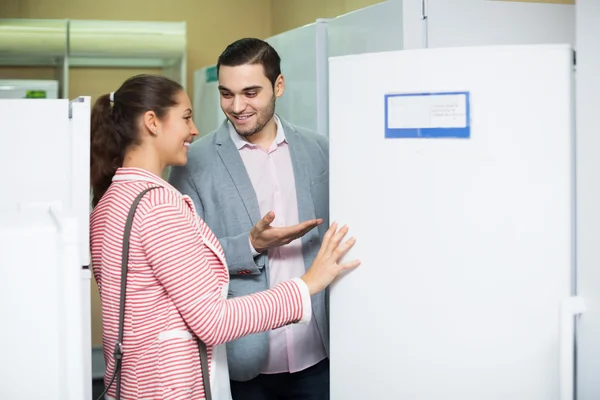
(334, 243)
(349, 265)
(343, 249)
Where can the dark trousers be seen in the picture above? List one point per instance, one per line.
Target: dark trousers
(309, 384)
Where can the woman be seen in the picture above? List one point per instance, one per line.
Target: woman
(176, 279)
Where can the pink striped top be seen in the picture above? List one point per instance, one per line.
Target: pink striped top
(176, 286)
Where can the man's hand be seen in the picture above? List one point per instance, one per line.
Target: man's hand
(263, 236)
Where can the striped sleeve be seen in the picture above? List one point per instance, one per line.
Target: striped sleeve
(174, 250)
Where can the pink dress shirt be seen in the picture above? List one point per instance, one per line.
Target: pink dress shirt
(292, 348)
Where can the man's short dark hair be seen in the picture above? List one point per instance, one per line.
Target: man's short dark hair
(252, 51)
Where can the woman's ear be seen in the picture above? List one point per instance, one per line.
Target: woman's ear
(150, 121)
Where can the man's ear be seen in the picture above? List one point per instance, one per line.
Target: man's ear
(279, 87)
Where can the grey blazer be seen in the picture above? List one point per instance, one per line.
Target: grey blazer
(216, 179)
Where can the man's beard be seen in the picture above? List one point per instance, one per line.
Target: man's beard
(260, 124)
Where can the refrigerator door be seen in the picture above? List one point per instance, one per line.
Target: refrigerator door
(303, 53)
(454, 170)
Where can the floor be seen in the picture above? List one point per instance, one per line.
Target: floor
(97, 388)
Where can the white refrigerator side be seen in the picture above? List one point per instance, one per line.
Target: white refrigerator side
(463, 207)
(80, 132)
(371, 29)
(303, 53)
(588, 197)
(490, 22)
(322, 76)
(80, 202)
(208, 115)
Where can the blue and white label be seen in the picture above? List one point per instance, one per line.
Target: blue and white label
(428, 115)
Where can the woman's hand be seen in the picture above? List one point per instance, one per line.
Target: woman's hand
(326, 267)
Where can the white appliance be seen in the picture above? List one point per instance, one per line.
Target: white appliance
(303, 53)
(588, 197)
(207, 105)
(463, 204)
(379, 27)
(44, 249)
(371, 29)
(411, 24)
(494, 22)
(28, 89)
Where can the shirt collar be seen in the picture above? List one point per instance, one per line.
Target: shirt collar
(131, 174)
(241, 141)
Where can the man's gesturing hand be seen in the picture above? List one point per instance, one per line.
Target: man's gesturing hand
(263, 236)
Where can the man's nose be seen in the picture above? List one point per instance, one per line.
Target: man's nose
(239, 105)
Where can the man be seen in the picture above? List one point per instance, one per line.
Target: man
(256, 164)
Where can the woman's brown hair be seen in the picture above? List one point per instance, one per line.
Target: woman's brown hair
(115, 123)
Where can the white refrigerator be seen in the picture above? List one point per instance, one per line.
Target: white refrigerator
(588, 197)
(495, 22)
(207, 101)
(303, 53)
(380, 27)
(45, 343)
(454, 168)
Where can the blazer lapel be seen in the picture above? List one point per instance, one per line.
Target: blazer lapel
(234, 165)
(300, 159)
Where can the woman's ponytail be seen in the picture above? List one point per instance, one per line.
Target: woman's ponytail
(107, 147)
